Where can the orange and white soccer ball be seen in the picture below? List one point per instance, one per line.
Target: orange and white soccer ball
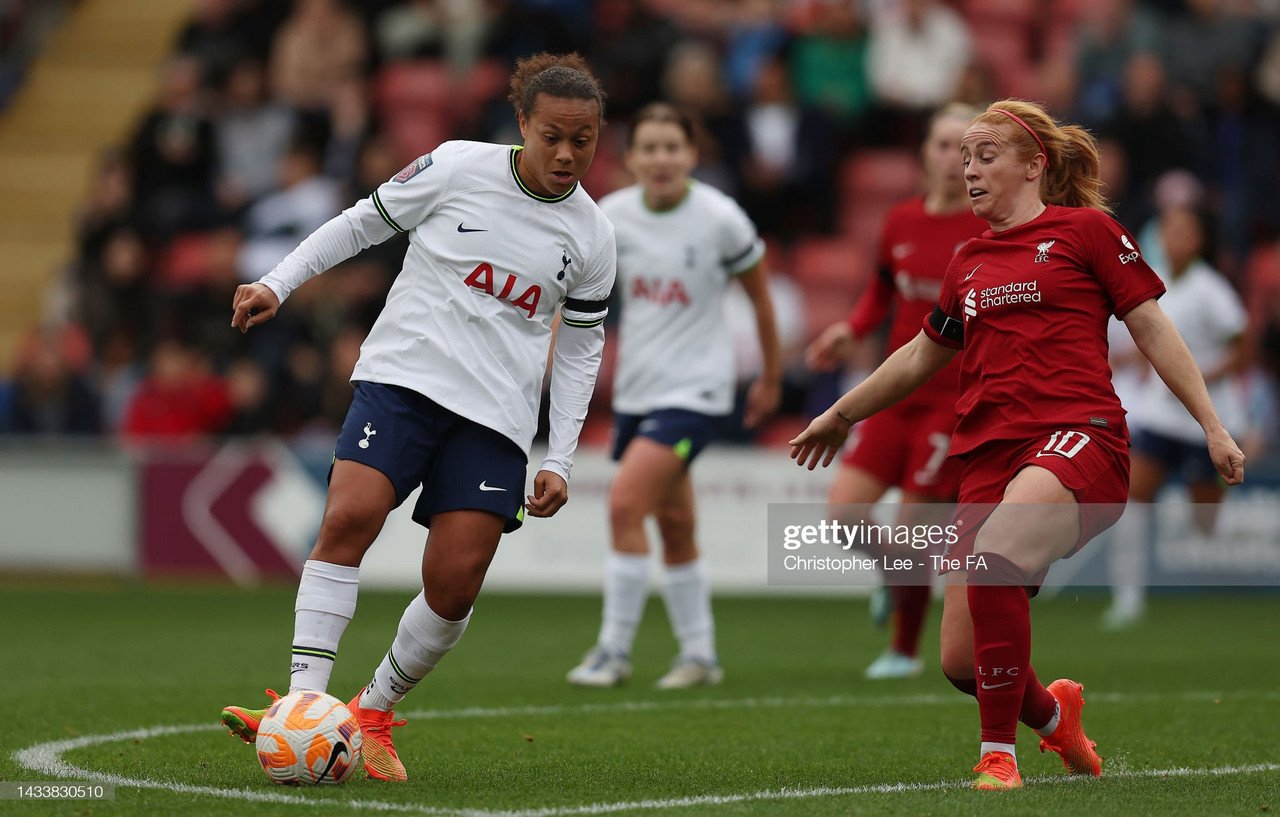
(308, 738)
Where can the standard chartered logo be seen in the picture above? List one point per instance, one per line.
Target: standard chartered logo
(1018, 292)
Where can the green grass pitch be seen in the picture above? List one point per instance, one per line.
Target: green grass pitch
(497, 730)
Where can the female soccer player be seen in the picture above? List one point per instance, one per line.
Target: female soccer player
(906, 446)
(1039, 424)
(1210, 317)
(679, 245)
(448, 381)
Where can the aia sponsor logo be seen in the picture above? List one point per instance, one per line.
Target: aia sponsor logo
(660, 291)
(482, 279)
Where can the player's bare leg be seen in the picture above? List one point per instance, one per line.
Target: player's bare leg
(1127, 553)
(645, 475)
(686, 591)
(1036, 524)
(358, 502)
(459, 549)
(854, 486)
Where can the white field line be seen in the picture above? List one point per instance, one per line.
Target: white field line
(46, 758)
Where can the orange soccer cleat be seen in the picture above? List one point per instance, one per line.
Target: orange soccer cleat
(997, 771)
(1069, 739)
(380, 758)
(244, 722)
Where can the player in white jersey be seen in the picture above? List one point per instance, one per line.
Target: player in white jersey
(680, 243)
(1211, 319)
(501, 239)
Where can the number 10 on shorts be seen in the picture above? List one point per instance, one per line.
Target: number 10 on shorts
(1064, 444)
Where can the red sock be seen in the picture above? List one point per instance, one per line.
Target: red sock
(1038, 705)
(910, 604)
(1001, 645)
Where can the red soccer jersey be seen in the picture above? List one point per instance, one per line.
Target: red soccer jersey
(915, 249)
(1034, 302)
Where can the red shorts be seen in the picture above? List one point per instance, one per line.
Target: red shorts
(907, 449)
(1092, 464)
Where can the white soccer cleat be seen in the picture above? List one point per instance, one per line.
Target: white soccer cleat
(691, 672)
(893, 664)
(600, 668)
(1119, 617)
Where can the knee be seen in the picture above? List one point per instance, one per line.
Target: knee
(346, 532)
(675, 523)
(624, 515)
(452, 596)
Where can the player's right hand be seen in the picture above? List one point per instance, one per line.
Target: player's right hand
(831, 349)
(1227, 456)
(253, 304)
(822, 440)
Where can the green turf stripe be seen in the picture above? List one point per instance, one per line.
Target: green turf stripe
(382, 211)
(395, 666)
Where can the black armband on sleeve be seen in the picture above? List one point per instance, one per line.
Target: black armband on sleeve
(946, 326)
(589, 307)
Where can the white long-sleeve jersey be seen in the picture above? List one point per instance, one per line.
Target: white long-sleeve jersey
(468, 320)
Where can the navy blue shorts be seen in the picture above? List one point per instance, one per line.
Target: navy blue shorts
(1190, 461)
(687, 432)
(460, 464)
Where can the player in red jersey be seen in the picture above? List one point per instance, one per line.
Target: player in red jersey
(906, 446)
(1039, 423)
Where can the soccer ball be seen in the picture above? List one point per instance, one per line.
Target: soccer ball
(308, 738)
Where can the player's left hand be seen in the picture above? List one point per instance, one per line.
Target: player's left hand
(822, 440)
(1227, 456)
(252, 305)
(762, 401)
(550, 492)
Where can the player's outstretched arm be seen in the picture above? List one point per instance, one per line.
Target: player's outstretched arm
(904, 372)
(253, 304)
(1159, 341)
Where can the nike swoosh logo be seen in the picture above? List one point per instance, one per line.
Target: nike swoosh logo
(484, 487)
(462, 229)
(996, 686)
(966, 278)
(339, 751)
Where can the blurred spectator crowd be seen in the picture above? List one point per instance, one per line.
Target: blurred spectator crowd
(271, 117)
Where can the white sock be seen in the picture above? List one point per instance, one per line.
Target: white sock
(422, 639)
(687, 593)
(1052, 726)
(1007, 748)
(1127, 558)
(326, 604)
(626, 587)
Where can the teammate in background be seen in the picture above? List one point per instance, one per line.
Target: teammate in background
(906, 446)
(1166, 440)
(448, 381)
(1042, 435)
(680, 243)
